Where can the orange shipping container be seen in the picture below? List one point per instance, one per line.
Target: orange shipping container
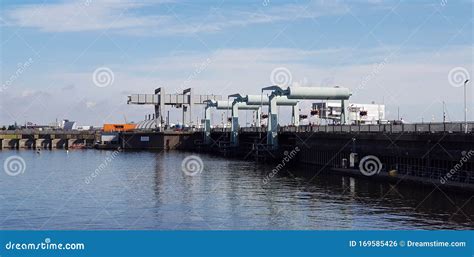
(118, 127)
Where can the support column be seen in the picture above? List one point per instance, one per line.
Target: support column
(58, 143)
(159, 107)
(343, 113)
(295, 115)
(22, 143)
(234, 134)
(26, 143)
(191, 106)
(43, 143)
(183, 119)
(5, 143)
(207, 124)
(75, 142)
(10, 143)
(187, 104)
(272, 128)
(257, 119)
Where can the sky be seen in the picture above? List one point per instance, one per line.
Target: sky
(79, 60)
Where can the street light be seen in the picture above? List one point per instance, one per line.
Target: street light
(465, 106)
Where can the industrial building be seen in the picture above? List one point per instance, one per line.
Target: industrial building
(330, 112)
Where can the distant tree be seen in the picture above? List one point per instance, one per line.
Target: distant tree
(4, 128)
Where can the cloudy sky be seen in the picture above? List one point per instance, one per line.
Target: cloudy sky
(80, 59)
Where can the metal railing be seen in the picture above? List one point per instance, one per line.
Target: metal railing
(48, 132)
(253, 129)
(455, 127)
(449, 127)
(220, 129)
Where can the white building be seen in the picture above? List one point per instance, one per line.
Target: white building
(366, 113)
(356, 113)
(68, 125)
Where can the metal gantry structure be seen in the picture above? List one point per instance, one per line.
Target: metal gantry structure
(300, 93)
(206, 122)
(186, 100)
(256, 102)
(278, 96)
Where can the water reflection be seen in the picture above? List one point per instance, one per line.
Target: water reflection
(145, 190)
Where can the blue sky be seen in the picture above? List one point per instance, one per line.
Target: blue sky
(397, 52)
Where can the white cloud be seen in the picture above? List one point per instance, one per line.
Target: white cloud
(82, 16)
(90, 104)
(220, 19)
(415, 81)
(128, 16)
(28, 93)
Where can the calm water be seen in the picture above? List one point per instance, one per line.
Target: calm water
(144, 190)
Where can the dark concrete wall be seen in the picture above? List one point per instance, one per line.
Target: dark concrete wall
(423, 157)
(160, 140)
(134, 141)
(429, 147)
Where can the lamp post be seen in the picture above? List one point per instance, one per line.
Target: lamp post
(465, 106)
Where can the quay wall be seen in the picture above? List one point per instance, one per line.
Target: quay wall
(445, 159)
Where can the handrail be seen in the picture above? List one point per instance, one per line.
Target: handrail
(449, 127)
(44, 132)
